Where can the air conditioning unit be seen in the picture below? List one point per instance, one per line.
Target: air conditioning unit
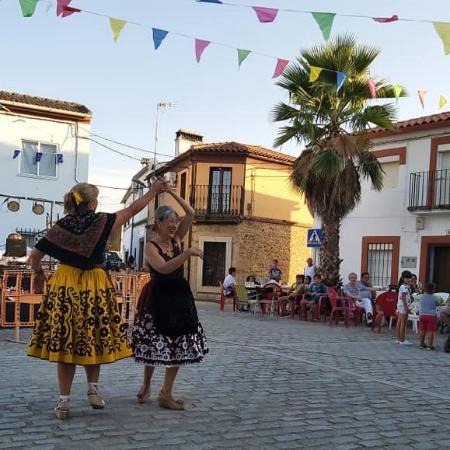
(171, 178)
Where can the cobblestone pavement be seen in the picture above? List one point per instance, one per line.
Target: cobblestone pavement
(267, 384)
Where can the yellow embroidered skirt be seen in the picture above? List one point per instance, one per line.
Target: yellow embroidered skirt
(78, 320)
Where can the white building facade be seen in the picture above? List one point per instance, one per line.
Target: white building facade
(134, 235)
(407, 224)
(44, 151)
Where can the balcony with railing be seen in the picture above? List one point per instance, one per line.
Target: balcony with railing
(218, 203)
(429, 190)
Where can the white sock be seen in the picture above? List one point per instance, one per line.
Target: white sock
(64, 398)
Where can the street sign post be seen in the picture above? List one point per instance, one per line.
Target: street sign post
(314, 238)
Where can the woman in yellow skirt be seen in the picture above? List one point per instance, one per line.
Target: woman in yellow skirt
(78, 322)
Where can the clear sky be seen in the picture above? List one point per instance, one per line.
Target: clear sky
(75, 58)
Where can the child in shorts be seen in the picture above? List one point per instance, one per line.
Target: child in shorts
(427, 316)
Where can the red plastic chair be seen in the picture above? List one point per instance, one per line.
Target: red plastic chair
(355, 312)
(338, 305)
(271, 303)
(223, 298)
(295, 301)
(385, 308)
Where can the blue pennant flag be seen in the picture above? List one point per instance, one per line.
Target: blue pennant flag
(340, 78)
(158, 36)
(16, 154)
(59, 158)
(38, 156)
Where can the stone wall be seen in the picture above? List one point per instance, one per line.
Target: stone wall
(254, 244)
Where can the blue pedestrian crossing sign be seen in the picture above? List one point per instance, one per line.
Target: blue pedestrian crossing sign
(314, 237)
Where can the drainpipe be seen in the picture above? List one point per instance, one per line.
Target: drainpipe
(191, 201)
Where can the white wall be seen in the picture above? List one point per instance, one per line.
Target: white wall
(14, 128)
(386, 213)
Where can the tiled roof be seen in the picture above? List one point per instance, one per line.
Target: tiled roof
(246, 149)
(417, 121)
(59, 105)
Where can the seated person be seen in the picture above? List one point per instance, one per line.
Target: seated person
(252, 279)
(361, 294)
(297, 288)
(229, 282)
(274, 271)
(308, 281)
(316, 288)
(444, 317)
(366, 284)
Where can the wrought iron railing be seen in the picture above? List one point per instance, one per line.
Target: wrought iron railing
(429, 190)
(217, 200)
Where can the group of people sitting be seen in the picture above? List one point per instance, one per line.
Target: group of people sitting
(309, 287)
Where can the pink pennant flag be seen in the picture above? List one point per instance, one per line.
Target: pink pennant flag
(265, 15)
(393, 18)
(372, 87)
(200, 46)
(281, 65)
(422, 95)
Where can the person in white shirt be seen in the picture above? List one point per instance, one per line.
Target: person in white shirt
(229, 282)
(403, 303)
(310, 270)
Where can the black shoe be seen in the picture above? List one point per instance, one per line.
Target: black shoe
(447, 345)
(422, 346)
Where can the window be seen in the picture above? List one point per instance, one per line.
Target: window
(219, 191)
(214, 256)
(183, 186)
(390, 178)
(30, 164)
(380, 257)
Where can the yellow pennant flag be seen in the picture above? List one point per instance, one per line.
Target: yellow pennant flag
(116, 27)
(443, 30)
(397, 90)
(314, 73)
(442, 101)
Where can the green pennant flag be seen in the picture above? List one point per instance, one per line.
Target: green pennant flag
(443, 30)
(242, 55)
(28, 7)
(325, 22)
(116, 27)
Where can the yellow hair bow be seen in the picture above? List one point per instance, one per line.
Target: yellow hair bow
(77, 197)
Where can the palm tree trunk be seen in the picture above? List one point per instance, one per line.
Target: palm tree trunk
(329, 251)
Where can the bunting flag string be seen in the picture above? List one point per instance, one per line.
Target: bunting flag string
(442, 101)
(158, 34)
(325, 19)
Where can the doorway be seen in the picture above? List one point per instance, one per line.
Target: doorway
(439, 266)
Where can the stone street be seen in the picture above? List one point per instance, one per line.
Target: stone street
(267, 384)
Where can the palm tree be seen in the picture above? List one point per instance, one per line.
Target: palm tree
(331, 124)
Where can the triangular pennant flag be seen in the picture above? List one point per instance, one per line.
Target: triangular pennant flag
(372, 87)
(38, 156)
(443, 30)
(200, 46)
(158, 36)
(68, 10)
(60, 4)
(28, 7)
(393, 18)
(242, 55)
(442, 101)
(397, 90)
(314, 73)
(16, 154)
(340, 78)
(325, 22)
(422, 95)
(281, 65)
(59, 158)
(265, 15)
(210, 1)
(116, 27)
